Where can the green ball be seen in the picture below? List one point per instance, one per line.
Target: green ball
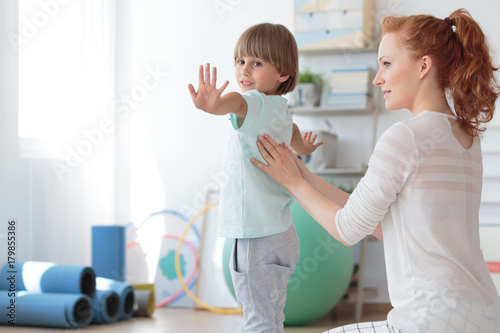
(321, 276)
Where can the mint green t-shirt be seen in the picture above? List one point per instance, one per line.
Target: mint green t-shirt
(251, 203)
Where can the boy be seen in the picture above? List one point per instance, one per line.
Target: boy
(253, 209)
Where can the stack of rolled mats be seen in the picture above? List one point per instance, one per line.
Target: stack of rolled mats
(47, 294)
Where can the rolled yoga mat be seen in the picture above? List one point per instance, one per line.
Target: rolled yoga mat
(108, 251)
(144, 304)
(105, 307)
(125, 293)
(48, 310)
(47, 277)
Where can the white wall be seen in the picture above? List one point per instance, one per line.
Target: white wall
(14, 190)
(181, 146)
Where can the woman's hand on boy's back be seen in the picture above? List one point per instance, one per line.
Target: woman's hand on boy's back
(281, 166)
(207, 97)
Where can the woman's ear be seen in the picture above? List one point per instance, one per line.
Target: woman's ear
(283, 77)
(425, 66)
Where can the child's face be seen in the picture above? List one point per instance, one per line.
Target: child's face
(255, 74)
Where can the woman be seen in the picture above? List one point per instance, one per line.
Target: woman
(421, 192)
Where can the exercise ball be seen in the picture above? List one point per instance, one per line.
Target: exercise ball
(321, 276)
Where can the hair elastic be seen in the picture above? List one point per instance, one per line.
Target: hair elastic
(451, 23)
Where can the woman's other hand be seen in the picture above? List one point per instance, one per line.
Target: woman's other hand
(281, 165)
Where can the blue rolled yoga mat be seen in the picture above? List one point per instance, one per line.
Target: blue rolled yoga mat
(48, 310)
(125, 293)
(47, 277)
(106, 307)
(108, 251)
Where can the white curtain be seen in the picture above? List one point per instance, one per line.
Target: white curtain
(66, 122)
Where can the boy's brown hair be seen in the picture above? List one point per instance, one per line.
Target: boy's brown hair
(275, 44)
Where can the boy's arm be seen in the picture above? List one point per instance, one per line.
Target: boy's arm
(303, 145)
(208, 97)
(233, 102)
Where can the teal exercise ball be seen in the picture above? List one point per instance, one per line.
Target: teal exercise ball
(321, 276)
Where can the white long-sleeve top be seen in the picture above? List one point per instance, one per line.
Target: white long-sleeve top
(425, 188)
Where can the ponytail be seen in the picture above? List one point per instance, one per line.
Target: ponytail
(461, 54)
(473, 86)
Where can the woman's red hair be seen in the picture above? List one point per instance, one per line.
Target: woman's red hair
(461, 55)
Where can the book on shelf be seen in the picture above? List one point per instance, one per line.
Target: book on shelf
(351, 101)
(347, 82)
(364, 89)
(348, 87)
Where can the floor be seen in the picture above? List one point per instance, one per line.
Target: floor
(177, 320)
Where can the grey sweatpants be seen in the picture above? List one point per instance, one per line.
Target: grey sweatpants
(260, 269)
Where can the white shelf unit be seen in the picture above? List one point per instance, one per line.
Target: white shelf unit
(327, 111)
(371, 109)
(342, 46)
(342, 171)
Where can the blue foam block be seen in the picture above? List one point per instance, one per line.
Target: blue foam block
(108, 251)
(45, 277)
(46, 309)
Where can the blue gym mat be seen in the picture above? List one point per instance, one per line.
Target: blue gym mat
(45, 310)
(47, 277)
(125, 293)
(106, 307)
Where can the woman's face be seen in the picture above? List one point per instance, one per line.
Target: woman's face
(398, 73)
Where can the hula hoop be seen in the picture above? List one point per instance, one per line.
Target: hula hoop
(190, 280)
(178, 266)
(168, 211)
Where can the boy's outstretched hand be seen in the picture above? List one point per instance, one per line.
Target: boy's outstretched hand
(208, 96)
(303, 144)
(310, 143)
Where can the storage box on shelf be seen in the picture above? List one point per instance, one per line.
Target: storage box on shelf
(326, 25)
